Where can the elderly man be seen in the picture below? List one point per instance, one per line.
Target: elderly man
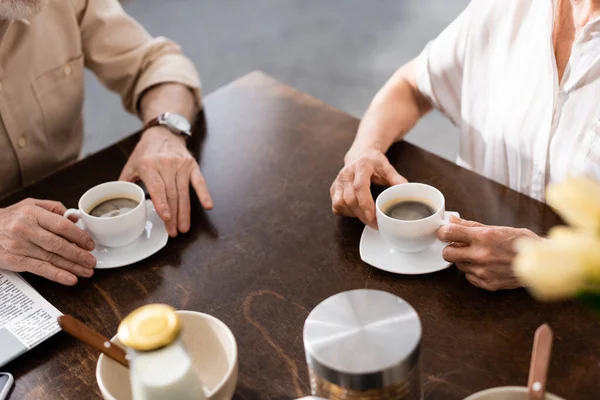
(521, 80)
(44, 46)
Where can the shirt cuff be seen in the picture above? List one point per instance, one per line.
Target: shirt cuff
(169, 68)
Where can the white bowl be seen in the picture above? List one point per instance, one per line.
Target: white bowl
(211, 345)
(507, 393)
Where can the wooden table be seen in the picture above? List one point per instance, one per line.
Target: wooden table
(271, 250)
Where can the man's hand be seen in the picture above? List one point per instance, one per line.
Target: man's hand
(162, 161)
(36, 238)
(350, 192)
(484, 253)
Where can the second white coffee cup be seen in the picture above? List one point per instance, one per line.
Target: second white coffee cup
(114, 231)
(411, 236)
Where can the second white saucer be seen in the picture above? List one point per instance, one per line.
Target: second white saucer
(154, 238)
(375, 251)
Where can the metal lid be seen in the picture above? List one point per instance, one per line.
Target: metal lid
(362, 339)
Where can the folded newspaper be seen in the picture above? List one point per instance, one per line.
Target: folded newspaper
(26, 318)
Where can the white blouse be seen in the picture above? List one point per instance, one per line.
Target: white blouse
(493, 73)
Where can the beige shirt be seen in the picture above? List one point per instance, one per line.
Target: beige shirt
(41, 80)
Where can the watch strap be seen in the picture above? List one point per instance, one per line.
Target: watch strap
(153, 122)
(160, 121)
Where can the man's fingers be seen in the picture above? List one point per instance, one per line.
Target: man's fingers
(199, 185)
(55, 207)
(169, 176)
(366, 205)
(47, 270)
(183, 191)
(54, 244)
(455, 233)
(67, 265)
(33, 251)
(158, 193)
(64, 228)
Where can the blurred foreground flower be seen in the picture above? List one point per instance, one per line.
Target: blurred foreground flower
(567, 263)
(562, 266)
(577, 201)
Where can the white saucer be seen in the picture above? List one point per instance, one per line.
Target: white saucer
(153, 239)
(375, 251)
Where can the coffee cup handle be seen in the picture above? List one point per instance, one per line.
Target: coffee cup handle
(73, 211)
(447, 215)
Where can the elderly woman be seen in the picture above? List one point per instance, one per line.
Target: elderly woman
(521, 80)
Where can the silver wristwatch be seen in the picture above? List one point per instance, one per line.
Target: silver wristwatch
(176, 123)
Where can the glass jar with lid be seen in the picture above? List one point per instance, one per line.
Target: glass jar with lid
(364, 344)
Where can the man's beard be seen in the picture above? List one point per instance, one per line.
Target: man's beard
(19, 9)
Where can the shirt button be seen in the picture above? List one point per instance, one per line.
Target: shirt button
(67, 70)
(22, 142)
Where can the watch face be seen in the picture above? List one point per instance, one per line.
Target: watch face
(178, 122)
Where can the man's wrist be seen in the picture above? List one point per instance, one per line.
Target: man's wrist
(168, 96)
(163, 133)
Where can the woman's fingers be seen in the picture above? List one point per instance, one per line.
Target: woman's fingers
(365, 203)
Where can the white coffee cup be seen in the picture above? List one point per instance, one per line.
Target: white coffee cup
(411, 236)
(113, 231)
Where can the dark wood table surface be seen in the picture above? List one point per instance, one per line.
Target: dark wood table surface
(271, 250)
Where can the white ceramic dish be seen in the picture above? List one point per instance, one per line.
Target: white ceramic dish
(375, 251)
(211, 345)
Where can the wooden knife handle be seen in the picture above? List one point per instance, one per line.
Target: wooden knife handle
(81, 331)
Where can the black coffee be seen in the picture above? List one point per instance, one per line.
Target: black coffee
(113, 207)
(409, 210)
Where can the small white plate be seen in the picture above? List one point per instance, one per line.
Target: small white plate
(153, 239)
(375, 251)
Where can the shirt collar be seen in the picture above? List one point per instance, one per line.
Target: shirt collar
(4, 24)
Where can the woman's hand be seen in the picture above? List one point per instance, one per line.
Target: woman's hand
(484, 253)
(350, 192)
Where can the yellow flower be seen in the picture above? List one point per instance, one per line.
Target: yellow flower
(577, 200)
(558, 267)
